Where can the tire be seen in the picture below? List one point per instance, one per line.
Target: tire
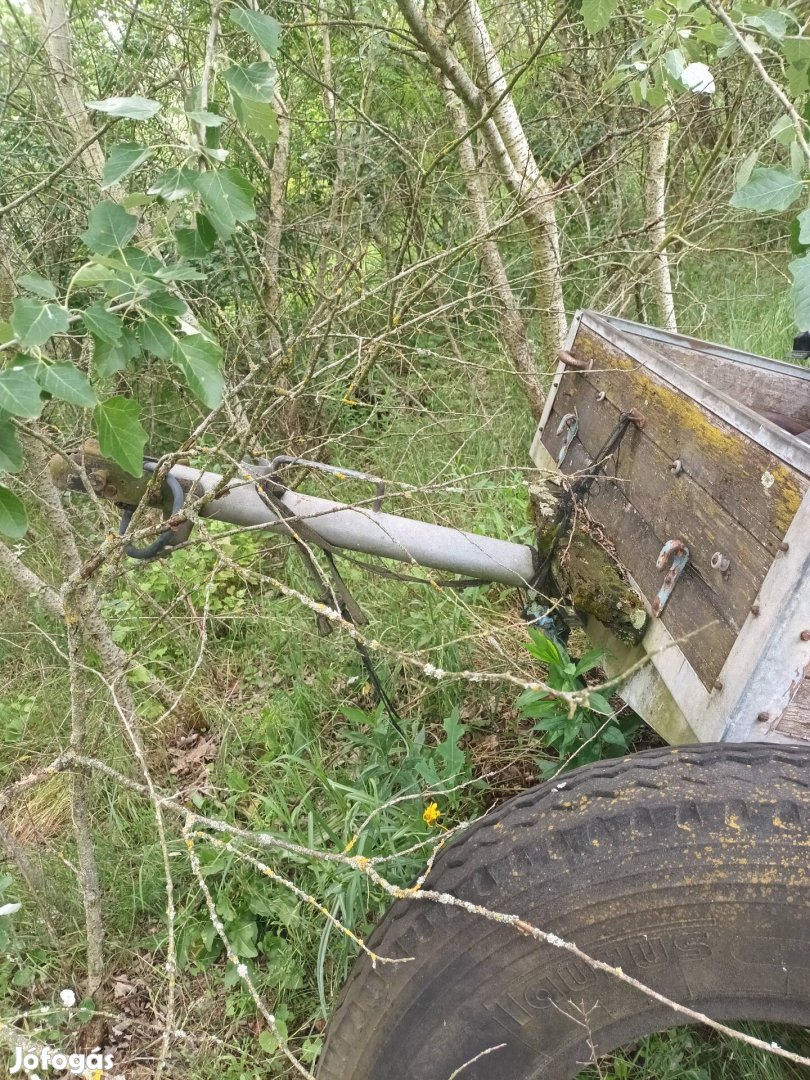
(689, 868)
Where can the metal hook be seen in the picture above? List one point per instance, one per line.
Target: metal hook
(570, 425)
(673, 558)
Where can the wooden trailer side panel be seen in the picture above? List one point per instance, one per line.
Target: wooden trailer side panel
(724, 662)
(731, 495)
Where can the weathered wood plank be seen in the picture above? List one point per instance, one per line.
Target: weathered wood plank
(693, 615)
(677, 505)
(743, 477)
(758, 388)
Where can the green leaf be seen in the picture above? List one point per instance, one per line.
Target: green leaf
(800, 269)
(156, 338)
(198, 242)
(599, 704)
(200, 361)
(65, 382)
(797, 50)
(262, 28)
(228, 196)
(19, 392)
(256, 117)
(206, 118)
(744, 169)
(255, 82)
(242, 936)
(133, 108)
(773, 22)
(175, 184)
(768, 189)
(544, 649)
(449, 750)
(123, 159)
(162, 302)
(596, 14)
(120, 435)
(11, 457)
(109, 228)
(102, 323)
(36, 283)
(13, 518)
(804, 227)
(111, 357)
(614, 737)
(589, 661)
(33, 322)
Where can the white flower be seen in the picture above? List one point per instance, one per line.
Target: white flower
(68, 998)
(698, 79)
(10, 909)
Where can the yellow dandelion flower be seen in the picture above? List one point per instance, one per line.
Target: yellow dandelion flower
(431, 814)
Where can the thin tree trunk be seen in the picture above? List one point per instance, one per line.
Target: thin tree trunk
(534, 191)
(53, 21)
(655, 184)
(492, 109)
(511, 322)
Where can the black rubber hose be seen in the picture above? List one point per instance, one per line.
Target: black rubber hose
(154, 549)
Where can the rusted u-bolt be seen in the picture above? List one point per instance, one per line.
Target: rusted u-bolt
(673, 558)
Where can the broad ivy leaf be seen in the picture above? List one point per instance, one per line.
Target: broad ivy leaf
(33, 321)
(800, 269)
(228, 197)
(596, 14)
(257, 117)
(19, 392)
(102, 323)
(768, 189)
(65, 382)
(36, 283)
(133, 108)
(262, 28)
(123, 159)
(11, 456)
(156, 338)
(198, 242)
(206, 118)
(804, 227)
(13, 518)
(109, 228)
(175, 184)
(200, 361)
(120, 435)
(255, 82)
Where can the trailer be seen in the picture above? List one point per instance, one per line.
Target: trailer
(685, 868)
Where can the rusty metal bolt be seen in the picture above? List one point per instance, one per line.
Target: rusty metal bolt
(755, 610)
(805, 635)
(763, 717)
(676, 468)
(718, 685)
(720, 562)
(784, 546)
